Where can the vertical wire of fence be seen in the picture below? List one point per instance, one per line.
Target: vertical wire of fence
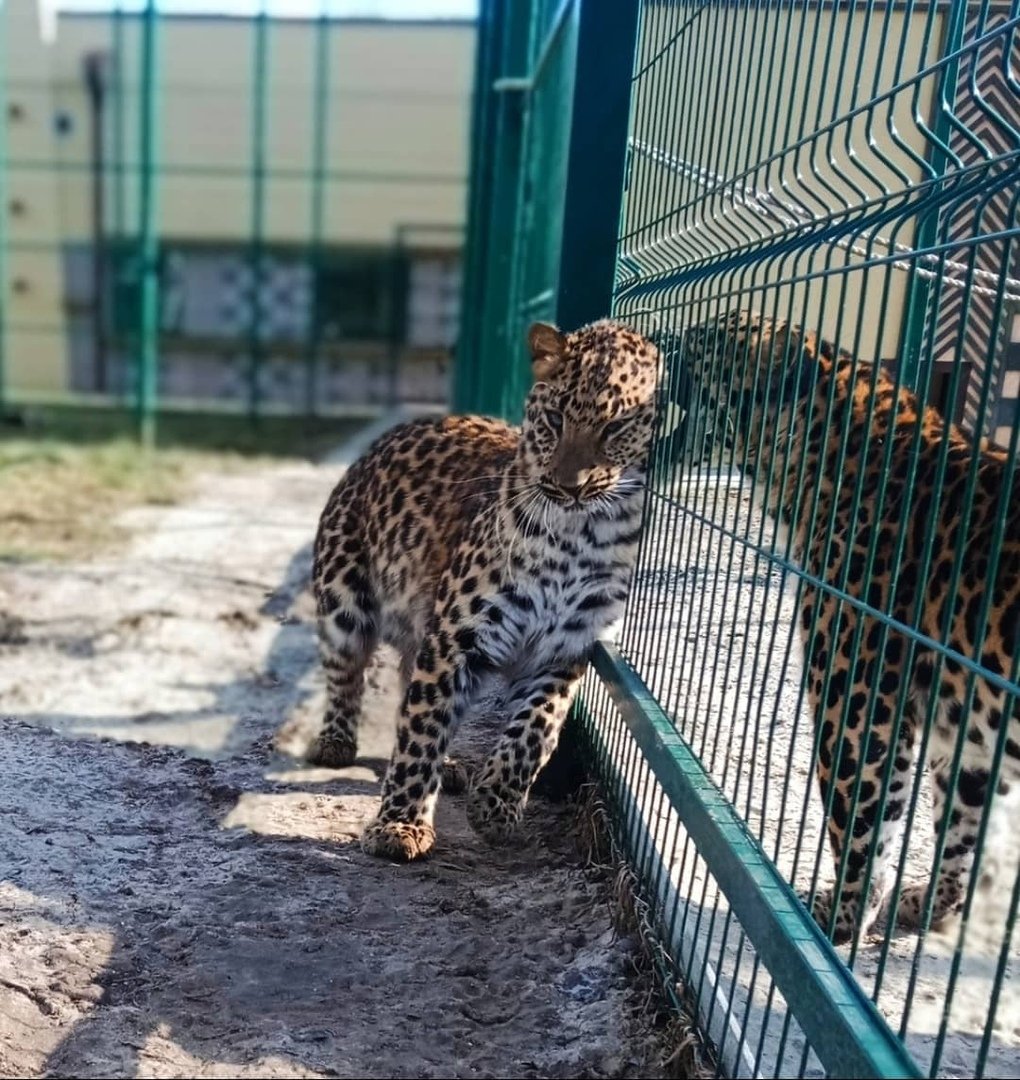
(259, 182)
(320, 151)
(118, 95)
(148, 226)
(814, 694)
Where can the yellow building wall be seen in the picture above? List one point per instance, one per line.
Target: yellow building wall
(34, 343)
(396, 143)
(790, 91)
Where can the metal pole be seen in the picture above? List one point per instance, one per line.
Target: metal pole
(94, 63)
(258, 195)
(607, 36)
(116, 91)
(148, 238)
(4, 286)
(466, 374)
(496, 355)
(399, 273)
(320, 109)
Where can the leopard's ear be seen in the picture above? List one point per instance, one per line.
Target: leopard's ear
(794, 361)
(547, 346)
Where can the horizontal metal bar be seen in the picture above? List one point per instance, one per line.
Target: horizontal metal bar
(242, 172)
(524, 84)
(846, 1031)
(293, 92)
(509, 84)
(230, 18)
(89, 401)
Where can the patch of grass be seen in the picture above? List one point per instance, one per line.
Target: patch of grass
(286, 436)
(67, 473)
(59, 500)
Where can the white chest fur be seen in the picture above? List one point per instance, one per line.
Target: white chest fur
(560, 590)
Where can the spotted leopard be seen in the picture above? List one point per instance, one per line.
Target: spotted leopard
(793, 399)
(491, 557)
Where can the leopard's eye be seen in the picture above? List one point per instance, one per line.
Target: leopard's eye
(554, 419)
(614, 427)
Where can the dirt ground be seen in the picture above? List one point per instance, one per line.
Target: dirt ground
(181, 896)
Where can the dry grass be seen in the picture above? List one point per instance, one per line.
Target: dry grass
(60, 500)
(685, 1055)
(66, 473)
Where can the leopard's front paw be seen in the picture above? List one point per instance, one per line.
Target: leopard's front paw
(945, 912)
(332, 751)
(455, 777)
(494, 812)
(821, 909)
(400, 841)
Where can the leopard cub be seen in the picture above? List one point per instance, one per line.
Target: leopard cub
(490, 557)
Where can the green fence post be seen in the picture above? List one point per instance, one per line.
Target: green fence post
(464, 389)
(148, 324)
(396, 317)
(607, 37)
(3, 210)
(508, 87)
(320, 109)
(256, 254)
(116, 98)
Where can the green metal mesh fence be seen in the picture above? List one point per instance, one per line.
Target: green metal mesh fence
(205, 212)
(853, 169)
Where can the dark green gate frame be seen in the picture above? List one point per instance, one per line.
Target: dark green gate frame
(533, 248)
(515, 209)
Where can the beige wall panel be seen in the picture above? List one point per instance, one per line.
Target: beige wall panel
(747, 125)
(398, 108)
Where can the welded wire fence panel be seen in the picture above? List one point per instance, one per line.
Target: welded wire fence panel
(827, 601)
(258, 214)
(815, 689)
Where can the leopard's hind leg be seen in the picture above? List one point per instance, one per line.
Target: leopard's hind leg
(348, 619)
(858, 724)
(969, 801)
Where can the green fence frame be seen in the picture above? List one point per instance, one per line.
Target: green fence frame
(148, 227)
(510, 216)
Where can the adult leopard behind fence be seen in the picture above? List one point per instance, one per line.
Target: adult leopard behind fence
(490, 557)
(794, 399)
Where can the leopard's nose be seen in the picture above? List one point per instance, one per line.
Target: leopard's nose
(571, 480)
